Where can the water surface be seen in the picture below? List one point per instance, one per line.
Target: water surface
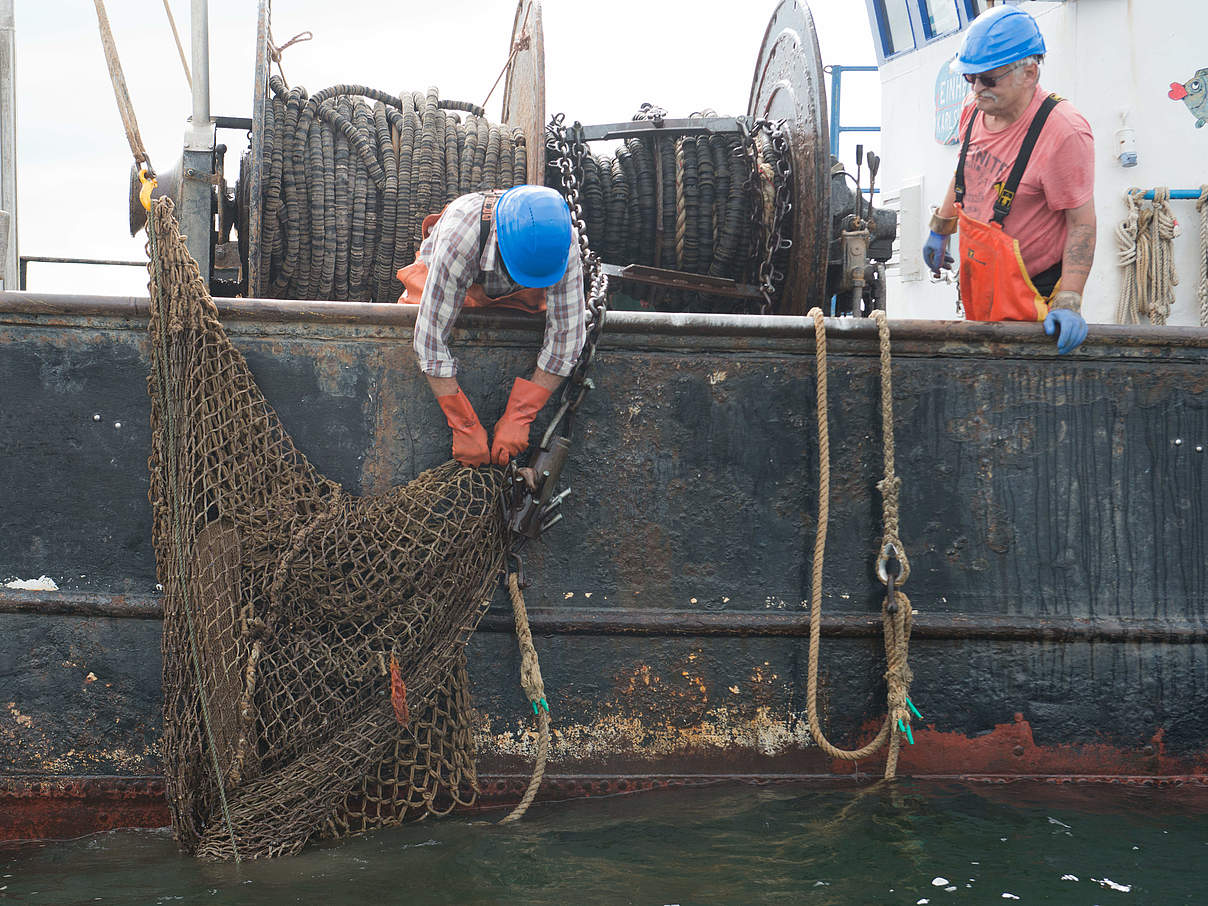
(913, 843)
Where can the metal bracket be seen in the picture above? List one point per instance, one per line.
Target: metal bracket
(658, 276)
(530, 504)
(700, 125)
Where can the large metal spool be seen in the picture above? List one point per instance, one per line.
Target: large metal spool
(787, 85)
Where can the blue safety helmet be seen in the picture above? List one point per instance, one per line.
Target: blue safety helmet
(532, 224)
(1000, 35)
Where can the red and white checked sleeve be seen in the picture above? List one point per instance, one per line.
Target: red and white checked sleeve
(451, 253)
(565, 318)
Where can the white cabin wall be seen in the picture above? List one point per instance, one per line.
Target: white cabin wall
(1107, 57)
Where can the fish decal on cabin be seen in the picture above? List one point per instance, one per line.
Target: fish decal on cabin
(1193, 93)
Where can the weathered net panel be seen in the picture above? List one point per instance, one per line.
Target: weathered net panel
(288, 604)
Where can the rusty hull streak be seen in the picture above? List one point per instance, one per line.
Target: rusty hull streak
(58, 808)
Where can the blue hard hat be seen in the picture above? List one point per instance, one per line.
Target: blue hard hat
(532, 224)
(1000, 35)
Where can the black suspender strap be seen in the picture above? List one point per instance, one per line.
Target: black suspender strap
(960, 164)
(488, 215)
(1006, 190)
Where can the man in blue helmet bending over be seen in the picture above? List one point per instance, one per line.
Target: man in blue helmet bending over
(1023, 193)
(514, 249)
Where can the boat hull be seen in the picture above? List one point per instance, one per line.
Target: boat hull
(1053, 510)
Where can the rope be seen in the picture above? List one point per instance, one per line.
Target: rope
(1162, 276)
(681, 209)
(1127, 238)
(274, 52)
(896, 614)
(522, 42)
(534, 688)
(179, 47)
(124, 106)
(1201, 205)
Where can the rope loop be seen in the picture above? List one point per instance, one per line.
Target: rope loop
(896, 613)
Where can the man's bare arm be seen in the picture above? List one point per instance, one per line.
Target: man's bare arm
(1079, 251)
(546, 380)
(442, 386)
(947, 207)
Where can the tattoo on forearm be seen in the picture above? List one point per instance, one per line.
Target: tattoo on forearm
(1079, 252)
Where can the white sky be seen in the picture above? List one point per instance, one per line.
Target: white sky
(602, 60)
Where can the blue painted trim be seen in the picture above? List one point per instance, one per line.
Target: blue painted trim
(1188, 194)
(836, 95)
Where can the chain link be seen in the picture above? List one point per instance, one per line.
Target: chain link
(569, 150)
(770, 278)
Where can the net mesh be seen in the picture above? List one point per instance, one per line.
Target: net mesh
(314, 668)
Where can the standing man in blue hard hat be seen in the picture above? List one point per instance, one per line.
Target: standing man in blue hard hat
(514, 249)
(1023, 193)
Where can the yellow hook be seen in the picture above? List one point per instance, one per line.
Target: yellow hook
(149, 184)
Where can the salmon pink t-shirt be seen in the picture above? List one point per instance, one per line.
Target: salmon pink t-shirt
(1060, 175)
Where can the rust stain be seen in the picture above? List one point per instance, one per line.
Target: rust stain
(388, 398)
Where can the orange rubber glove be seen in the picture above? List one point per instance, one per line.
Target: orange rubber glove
(469, 436)
(512, 431)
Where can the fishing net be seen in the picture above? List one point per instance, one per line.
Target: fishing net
(314, 669)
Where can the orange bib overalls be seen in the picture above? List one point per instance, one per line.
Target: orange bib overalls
(994, 284)
(413, 276)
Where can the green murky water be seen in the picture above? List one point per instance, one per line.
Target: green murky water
(917, 843)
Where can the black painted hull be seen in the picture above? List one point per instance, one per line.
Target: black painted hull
(1053, 509)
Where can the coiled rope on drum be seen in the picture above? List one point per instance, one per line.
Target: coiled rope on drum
(686, 203)
(348, 184)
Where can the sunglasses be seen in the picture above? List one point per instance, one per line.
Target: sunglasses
(991, 81)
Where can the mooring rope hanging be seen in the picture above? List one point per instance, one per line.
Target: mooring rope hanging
(1201, 205)
(1146, 239)
(896, 614)
(348, 185)
(1128, 238)
(1162, 278)
(534, 688)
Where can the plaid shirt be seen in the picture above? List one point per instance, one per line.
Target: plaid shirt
(451, 253)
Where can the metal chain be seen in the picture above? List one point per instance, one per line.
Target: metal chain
(570, 150)
(529, 507)
(770, 278)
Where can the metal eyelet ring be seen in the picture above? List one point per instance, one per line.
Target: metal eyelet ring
(889, 549)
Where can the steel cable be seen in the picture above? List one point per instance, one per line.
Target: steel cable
(350, 174)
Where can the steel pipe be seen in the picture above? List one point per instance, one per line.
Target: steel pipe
(670, 623)
(200, 38)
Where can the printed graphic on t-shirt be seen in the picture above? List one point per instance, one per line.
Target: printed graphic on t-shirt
(1059, 176)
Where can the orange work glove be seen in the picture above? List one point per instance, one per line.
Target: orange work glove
(469, 436)
(512, 431)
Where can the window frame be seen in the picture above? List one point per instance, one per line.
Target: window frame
(880, 15)
(925, 17)
(966, 12)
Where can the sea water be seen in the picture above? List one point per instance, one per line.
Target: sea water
(907, 843)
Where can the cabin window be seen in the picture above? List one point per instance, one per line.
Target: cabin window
(893, 20)
(974, 8)
(940, 17)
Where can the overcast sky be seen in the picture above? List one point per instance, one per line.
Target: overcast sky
(602, 60)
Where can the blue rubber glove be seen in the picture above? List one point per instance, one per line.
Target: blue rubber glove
(935, 252)
(1069, 327)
